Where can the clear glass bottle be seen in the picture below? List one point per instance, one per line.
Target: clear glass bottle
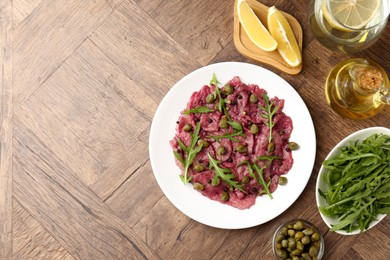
(357, 88)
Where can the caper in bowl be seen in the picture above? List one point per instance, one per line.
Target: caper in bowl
(298, 239)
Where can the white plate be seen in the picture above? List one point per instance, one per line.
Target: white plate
(321, 184)
(193, 203)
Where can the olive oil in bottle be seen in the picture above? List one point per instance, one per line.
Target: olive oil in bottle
(357, 88)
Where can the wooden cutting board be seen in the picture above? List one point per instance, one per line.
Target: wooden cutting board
(247, 48)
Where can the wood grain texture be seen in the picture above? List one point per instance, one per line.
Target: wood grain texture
(80, 84)
(6, 124)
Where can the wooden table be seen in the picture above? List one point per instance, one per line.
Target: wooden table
(80, 83)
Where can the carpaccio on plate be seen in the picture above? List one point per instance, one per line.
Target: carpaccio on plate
(232, 142)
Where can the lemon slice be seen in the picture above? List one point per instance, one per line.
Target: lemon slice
(350, 14)
(253, 27)
(281, 30)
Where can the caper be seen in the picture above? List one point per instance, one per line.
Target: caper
(298, 225)
(308, 231)
(223, 123)
(315, 237)
(198, 186)
(282, 180)
(300, 246)
(291, 232)
(187, 127)
(279, 238)
(228, 89)
(285, 243)
(253, 98)
(313, 251)
(306, 256)
(293, 145)
(271, 147)
(254, 129)
(283, 231)
(241, 148)
(216, 181)
(279, 246)
(295, 258)
(210, 98)
(282, 254)
(299, 235)
(245, 180)
(204, 143)
(198, 168)
(296, 252)
(221, 150)
(224, 196)
(292, 244)
(305, 240)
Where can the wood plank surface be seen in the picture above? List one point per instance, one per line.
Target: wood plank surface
(6, 124)
(80, 84)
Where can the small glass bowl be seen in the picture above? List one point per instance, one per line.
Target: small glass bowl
(293, 232)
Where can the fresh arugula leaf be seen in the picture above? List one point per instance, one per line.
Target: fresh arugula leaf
(191, 151)
(265, 185)
(201, 109)
(224, 174)
(214, 80)
(269, 111)
(238, 132)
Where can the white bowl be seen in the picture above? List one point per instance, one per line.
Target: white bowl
(322, 185)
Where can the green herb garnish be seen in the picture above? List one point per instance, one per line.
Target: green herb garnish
(201, 109)
(359, 183)
(268, 115)
(238, 131)
(224, 174)
(191, 151)
(266, 185)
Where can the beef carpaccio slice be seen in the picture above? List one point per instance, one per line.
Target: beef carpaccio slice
(234, 129)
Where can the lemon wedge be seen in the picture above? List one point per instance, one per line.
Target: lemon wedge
(350, 14)
(281, 30)
(254, 28)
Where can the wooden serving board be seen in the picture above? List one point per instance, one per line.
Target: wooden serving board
(247, 48)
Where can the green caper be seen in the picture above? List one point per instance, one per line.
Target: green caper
(296, 252)
(299, 235)
(224, 196)
(216, 181)
(306, 256)
(295, 258)
(298, 225)
(221, 150)
(305, 240)
(228, 89)
(254, 129)
(300, 246)
(245, 179)
(293, 145)
(253, 98)
(223, 123)
(308, 231)
(271, 147)
(204, 143)
(315, 237)
(291, 232)
(285, 243)
(282, 180)
(198, 186)
(283, 231)
(282, 254)
(210, 98)
(292, 244)
(241, 148)
(198, 168)
(313, 251)
(187, 127)
(279, 238)
(279, 246)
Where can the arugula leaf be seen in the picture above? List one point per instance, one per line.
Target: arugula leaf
(214, 80)
(359, 183)
(191, 151)
(268, 114)
(225, 174)
(266, 185)
(201, 109)
(238, 132)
